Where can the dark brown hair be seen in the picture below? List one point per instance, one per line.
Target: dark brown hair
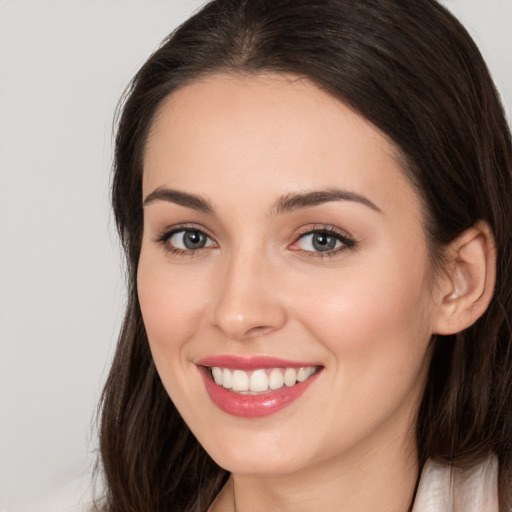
(410, 68)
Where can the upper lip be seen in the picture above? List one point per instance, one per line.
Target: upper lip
(236, 362)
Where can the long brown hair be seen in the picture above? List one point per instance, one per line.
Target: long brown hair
(410, 68)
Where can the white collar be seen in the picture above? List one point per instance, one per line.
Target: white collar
(443, 489)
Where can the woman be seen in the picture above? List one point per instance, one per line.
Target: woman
(315, 201)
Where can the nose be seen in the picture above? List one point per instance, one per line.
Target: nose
(248, 304)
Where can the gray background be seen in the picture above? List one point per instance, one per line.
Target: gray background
(63, 66)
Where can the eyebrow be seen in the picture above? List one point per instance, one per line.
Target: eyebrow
(296, 201)
(181, 198)
(287, 203)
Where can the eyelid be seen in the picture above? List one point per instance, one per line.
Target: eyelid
(347, 240)
(165, 235)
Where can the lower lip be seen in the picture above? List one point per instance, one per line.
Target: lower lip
(253, 406)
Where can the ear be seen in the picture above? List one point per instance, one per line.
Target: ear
(467, 284)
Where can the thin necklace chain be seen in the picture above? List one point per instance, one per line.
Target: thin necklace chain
(234, 498)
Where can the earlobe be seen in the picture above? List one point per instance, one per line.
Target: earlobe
(468, 282)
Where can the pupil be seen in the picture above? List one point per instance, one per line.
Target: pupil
(323, 242)
(194, 239)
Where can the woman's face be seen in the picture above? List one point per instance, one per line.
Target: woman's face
(284, 256)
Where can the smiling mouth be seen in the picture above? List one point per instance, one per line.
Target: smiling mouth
(257, 386)
(260, 381)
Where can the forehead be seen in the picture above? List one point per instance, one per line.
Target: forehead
(272, 133)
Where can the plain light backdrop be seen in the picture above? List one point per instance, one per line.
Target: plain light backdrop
(63, 66)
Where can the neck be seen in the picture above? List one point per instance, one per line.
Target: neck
(379, 477)
(362, 488)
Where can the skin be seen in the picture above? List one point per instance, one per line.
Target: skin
(365, 312)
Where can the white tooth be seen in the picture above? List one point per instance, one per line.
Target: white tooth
(303, 374)
(290, 376)
(258, 381)
(275, 379)
(240, 381)
(227, 378)
(217, 375)
(311, 370)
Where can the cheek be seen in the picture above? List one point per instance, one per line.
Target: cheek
(375, 328)
(368, 313)
(171, 305)
(374, 320)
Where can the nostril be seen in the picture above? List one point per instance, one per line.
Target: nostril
(240, 333)
(260, 330)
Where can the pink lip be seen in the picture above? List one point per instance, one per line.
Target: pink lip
(252, 406)
(251, 363)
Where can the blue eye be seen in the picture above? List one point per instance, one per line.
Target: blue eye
(186, 240)
(325, 241)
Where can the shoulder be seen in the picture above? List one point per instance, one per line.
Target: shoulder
(444, 489)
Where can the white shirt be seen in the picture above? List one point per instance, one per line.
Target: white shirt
(442, 489)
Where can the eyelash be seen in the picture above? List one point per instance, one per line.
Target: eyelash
(165, 237)
(347, 242)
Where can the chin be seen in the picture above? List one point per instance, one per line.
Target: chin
(264, 454)
(258, 466)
